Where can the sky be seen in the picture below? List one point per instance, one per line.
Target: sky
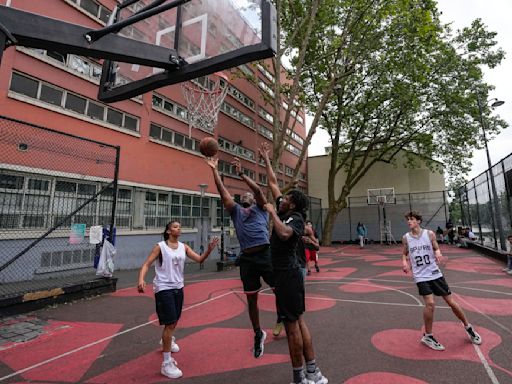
(496, 15)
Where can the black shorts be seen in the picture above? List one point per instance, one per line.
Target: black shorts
(438, 287)
(169, 303)
(290, 294)
(253, 268)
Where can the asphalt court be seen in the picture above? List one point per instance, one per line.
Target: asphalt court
(364, 314)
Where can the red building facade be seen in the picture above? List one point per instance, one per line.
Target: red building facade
(160, 165)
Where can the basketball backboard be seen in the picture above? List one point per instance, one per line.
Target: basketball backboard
(380, 196)
(202, 37)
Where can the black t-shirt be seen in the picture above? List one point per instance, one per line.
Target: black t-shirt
(284, 252)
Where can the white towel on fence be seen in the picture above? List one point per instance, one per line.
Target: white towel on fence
(106, 262)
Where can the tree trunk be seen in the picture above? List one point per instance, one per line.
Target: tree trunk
(332, 213)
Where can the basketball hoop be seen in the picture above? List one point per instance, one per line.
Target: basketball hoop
(204, 98)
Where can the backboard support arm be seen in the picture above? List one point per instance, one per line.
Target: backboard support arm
(36, 31)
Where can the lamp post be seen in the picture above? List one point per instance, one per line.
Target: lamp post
(497, 214)
(202, 188)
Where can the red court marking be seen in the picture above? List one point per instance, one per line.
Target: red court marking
(209, 351)
(365, 286)
(268, 303)
(194, 292)
(69, 337)
(405, 343)
(215, 311)
(496, 282)
(330, 273)
(323, 261)
(461, 266)
(499, 307)
(383, 378)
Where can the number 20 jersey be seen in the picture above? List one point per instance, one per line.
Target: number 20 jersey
(421, 255)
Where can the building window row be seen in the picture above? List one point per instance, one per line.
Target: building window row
(293, 149)
(263, 178)
(237, 114)
(60, 97)
(264, 131)
(241, 97)
(172, 137)
(266, 72)
(266, 88)
(236, 149)
(230, 170)
(297, 116)
(169, 107)
(38, 202)
(267, 116)
(93, 8)
(295, 136)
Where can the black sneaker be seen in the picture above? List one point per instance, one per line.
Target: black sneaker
(259, 343)
(317, 269)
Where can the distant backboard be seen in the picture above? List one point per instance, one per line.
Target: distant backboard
(203, 37)
(381, 196)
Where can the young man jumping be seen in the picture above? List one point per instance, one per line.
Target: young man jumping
(421, 254)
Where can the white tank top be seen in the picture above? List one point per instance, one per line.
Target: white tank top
(421, 255)
(169, 275)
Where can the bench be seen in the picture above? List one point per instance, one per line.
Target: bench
(489, 251)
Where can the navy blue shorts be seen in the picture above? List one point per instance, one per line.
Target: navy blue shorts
(169, 303)
(438, 287)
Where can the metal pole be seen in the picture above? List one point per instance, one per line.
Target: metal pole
(203, 189)
(114, 192)
(497, 211)
(222, 253)
(478, 213)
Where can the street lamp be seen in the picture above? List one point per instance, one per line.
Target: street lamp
(497, 214)
(202, 188)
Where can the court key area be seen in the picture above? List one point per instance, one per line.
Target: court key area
(364, 313)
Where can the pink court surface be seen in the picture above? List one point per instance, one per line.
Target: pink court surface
(364, 314)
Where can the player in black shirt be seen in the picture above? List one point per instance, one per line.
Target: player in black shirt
(288, 228)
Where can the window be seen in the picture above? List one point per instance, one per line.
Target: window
(236, 149)
(265, 132)
(75, 103)
(241, 97)
(51, 94)
(267, 116)
(162, 104)
(94, 9)
(24, 85)
(233, 112)
(173, 138)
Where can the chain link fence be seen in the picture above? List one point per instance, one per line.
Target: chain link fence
(53, 187)
(479, 205)
(432, 205)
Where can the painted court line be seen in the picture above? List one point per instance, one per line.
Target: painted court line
(486, 365)
(21, 371)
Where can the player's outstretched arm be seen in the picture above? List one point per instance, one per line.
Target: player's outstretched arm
(272, 179)
(201, 258)
(261, 200)
(227, 199)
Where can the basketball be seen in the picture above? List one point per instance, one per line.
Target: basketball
(209, 146)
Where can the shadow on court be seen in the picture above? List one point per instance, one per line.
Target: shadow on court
(364, 314)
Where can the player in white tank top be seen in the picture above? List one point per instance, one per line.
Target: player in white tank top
(421, 254)
(170, 263)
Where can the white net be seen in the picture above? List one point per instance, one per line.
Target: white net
(204, 98)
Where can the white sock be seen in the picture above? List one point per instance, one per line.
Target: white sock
(167, 357)
(468, 326)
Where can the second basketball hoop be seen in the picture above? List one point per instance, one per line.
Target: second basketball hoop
(204, 97)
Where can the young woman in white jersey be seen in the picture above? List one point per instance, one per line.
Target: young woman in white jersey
(168, 287)
(421, 254)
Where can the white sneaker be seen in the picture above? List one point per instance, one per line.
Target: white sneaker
(305, 381)
(170, 369)
(174, 347)
(316, 377)
(474, 336)
(431, 342)
(506, 269)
